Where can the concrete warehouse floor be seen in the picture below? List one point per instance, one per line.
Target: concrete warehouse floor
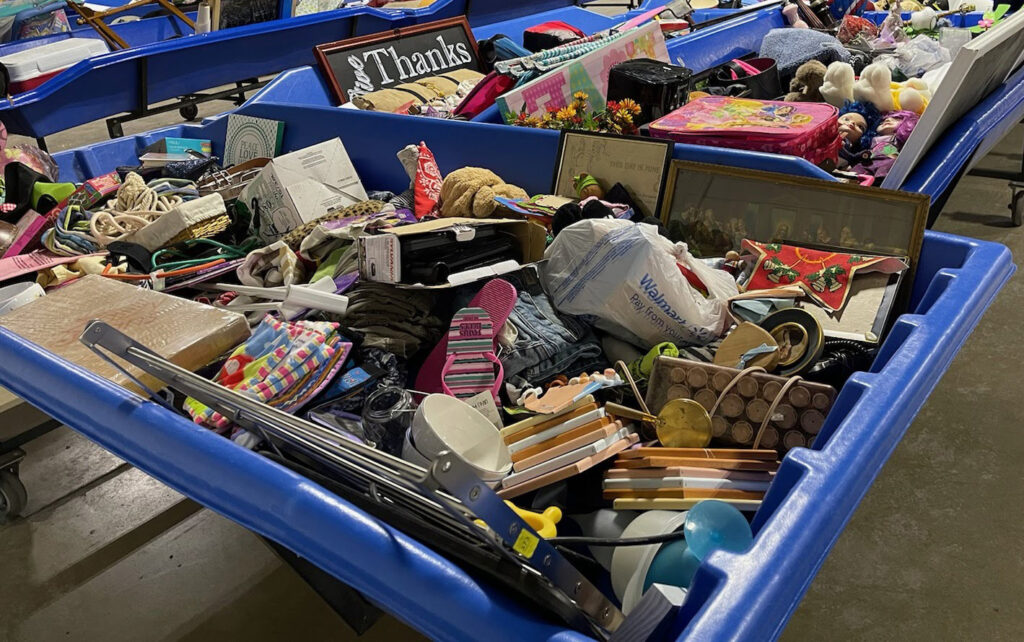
(106, 553)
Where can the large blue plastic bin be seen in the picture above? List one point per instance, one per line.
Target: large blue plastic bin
(135, 33)
(734, 597)
(936, 174)
(130, 80)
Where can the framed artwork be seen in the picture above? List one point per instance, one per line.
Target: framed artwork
(358, 66)
(639, 164)
(713, 208)
(588, 73)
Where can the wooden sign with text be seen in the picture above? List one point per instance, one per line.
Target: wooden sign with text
(358, 66)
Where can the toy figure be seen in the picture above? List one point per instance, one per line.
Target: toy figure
(587, 186)
(857, 124)
(893, 132)
(837, 88)
(805, 86)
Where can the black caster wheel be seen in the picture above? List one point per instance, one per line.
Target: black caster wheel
(13, 496)
(189, 112)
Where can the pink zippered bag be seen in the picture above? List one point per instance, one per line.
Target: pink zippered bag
(808, 130)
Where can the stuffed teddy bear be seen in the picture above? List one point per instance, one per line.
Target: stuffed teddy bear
(470, 191)
(837, 88)
(805, 86)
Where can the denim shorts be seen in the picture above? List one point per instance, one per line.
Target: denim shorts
(547, 343)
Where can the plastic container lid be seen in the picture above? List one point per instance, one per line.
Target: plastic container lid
(30, 63)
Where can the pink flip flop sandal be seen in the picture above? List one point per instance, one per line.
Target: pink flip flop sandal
(469, 366)
(497, 298)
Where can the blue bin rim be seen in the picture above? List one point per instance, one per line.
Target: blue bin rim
(291, 510)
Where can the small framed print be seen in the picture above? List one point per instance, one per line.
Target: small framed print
(639, 164)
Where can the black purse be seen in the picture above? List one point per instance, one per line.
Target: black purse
(658, 87)
(736, 79)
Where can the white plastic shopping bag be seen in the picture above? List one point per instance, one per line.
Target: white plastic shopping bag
(625, 276)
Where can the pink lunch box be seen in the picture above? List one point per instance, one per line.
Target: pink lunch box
(808, 130)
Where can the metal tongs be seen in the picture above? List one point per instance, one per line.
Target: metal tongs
(447, 493)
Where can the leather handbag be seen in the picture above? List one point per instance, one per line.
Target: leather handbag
(753, 78)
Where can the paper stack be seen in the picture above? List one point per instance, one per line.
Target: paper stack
(678, 478)
(549, 448)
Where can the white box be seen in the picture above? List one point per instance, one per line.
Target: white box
(301, 187)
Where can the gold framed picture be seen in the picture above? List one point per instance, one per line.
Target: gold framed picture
(712, 208)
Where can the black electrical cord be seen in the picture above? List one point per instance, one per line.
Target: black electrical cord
(659, 539)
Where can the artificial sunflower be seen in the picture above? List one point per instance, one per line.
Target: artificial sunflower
(630, 105)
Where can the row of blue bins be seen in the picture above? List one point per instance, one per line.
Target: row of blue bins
(746, 596)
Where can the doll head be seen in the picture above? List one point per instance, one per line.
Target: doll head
(898, 124)
(851, 127)
(857, 123)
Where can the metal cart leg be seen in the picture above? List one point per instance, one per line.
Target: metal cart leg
(1016, 185)
(187, 106)
(1016, 203)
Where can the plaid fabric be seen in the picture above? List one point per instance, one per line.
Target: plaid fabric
(281, 364)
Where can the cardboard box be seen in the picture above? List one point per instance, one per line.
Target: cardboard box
(380, 256)
(302, 186)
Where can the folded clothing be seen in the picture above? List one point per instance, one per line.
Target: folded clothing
(537, 343)
(399, 321)
(283, 364)
(424, 90)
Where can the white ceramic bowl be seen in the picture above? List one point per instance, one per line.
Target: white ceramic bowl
(446, 423)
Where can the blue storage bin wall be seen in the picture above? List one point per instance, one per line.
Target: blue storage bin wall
(700, 50)
(479, 12)
(734, 597)
(111, 83)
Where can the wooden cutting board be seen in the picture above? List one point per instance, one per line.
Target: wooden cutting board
(666, 462)
(702, 453)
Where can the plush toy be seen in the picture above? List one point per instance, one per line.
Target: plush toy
(837, 88)
(875, 86)
(587, 186)
(470, 191)
(806, 84)
(911, 95)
